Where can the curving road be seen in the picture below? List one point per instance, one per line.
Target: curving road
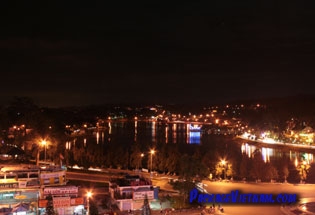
(304, 191)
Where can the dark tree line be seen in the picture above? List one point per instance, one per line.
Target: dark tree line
(188, 161)
(24, 124)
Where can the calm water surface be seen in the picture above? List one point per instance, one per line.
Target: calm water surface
(152, 133)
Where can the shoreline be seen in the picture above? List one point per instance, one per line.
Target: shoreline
(280, 144)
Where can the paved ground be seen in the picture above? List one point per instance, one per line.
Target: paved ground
(306, 206)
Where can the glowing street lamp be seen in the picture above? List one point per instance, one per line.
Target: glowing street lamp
(223, 162)
(142, 155)
(44, 143)
(140, 161)
(88, 195)
(151, 153)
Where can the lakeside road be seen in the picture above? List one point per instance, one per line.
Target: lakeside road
(305, 192)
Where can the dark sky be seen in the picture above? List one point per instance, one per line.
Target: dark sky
(204, 51)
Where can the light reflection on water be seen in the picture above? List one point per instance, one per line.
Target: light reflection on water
(150, 133)
(267, 153)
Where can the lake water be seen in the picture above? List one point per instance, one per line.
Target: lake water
(154, 134)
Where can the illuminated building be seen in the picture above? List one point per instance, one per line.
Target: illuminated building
(24, 187)
(129, 193)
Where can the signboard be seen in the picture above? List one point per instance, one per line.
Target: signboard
(7, 195)
(42, 203)
(61, 202)
(22, 184)
(28, 183)
(48, 175)
(9, 185)
(60, 190)
(141, 195)
(20, 197)
(77, 201)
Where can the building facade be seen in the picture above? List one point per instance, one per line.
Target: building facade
(129, 192)
(24, 190)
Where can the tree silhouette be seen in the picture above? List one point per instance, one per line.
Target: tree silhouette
(311, 175)
(244, 166)
(146, 210)
(170, 159)
(50, 206)
(257, 166)
(93, 207)
(293, 176)
(303, 169)
(188, 167)
(285, 172)
(184, 187)
(270, 171)
(135, 156)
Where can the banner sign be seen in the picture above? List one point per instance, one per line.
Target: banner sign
(9, 185)
(77, 201)
(141, 195)
(48, 175)
(61, 202)
(60, 190)
(42, 203)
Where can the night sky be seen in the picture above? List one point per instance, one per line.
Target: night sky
(201, 52)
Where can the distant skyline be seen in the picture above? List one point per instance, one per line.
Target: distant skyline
(200, 52)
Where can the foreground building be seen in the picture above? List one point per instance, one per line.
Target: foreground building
(130, 192)
(24, 189)
(65, 200)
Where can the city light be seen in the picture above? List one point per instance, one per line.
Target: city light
(88, 195)
(140, 161)
(151, 154)
(223, 162)
(44, 144)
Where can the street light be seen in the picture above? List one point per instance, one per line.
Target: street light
(44, 143)
(223, 162)
(88, 195)
(152, 153)
(140, 165)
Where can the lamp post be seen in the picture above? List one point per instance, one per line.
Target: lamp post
(88, 195)
(140, 163)
(223, 162)
(44, 143)
(152, 153)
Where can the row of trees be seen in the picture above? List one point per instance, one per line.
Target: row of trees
(192, 161)
(189, 161)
